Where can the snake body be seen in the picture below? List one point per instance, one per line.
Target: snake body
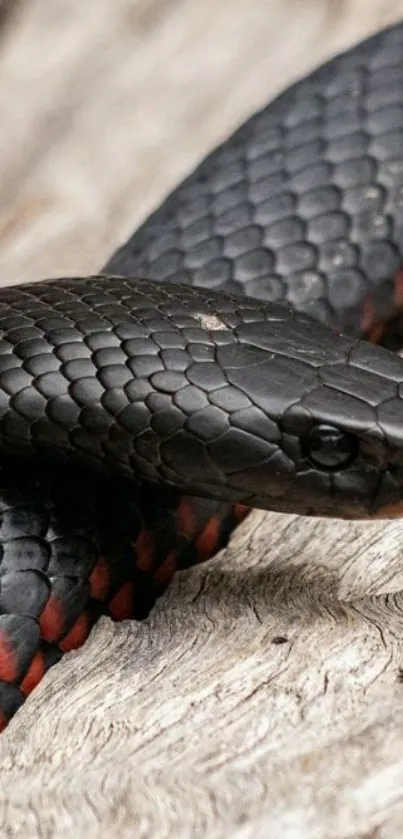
(144, 411)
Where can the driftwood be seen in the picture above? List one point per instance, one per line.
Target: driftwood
(263, 697)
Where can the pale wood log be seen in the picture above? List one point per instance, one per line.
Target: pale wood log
(262, 697)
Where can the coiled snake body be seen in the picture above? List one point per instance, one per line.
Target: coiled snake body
(145, 410)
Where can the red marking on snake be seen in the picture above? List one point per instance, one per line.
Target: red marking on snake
(186, 518)
(3, 720)
(99, 580)
(167, 569)
(370, 325)
(8, 660)
(51, 621)
(390, 511)
(144, 546)
(78, 633)
(34, 674)
(121, 607)
(241, 511)
(207, 543)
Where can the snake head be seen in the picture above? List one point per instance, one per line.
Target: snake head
(294, 417)
(219, 397)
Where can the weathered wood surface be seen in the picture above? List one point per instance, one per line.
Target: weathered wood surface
(199, 722)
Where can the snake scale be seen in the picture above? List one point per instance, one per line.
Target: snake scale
(226, 357)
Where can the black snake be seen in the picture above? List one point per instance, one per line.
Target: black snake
(145, 410)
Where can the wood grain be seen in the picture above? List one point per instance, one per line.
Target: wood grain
(263, 696)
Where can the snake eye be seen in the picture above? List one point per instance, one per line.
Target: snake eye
(329, 448)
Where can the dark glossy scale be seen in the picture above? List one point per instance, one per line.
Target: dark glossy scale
(74, 546)
(302, 204)
(199, 405)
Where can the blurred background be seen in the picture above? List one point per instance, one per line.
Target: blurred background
(106, 105)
